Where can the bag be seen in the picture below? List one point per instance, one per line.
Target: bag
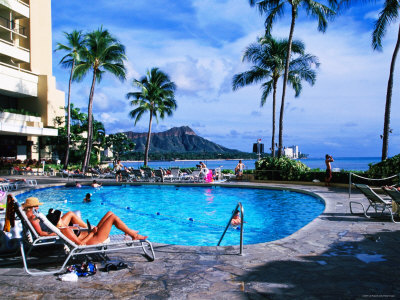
(54, 216)
(84, 269)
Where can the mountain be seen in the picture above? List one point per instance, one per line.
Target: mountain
(177, 139)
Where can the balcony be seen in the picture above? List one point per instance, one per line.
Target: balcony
(18, 83)
(18, 6)
(13, 27)
(17, 124)
(18, 53)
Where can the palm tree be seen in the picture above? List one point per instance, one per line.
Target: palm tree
(276, 8)
(73, 47)
(156, 96)
(102, 53)
(388, 14)
(268, 57)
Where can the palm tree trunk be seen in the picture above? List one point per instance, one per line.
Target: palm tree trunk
(69, 118)
(386, 126)
(86, 160)
(273, 118)
(146, 150)
(285, 79)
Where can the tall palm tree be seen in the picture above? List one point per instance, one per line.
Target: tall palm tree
(389, 14)
(73, 47)
(276, 8)
(156, 96)
(102, 53)
(268, 57)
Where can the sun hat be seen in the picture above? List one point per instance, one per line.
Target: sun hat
(31, 202)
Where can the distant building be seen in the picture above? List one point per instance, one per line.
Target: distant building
(291, 152)
(29, 99)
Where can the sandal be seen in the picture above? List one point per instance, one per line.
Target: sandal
(115, 267)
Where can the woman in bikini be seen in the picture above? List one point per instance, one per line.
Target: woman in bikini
(97, 235)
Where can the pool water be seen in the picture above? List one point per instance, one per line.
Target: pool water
(192, 216)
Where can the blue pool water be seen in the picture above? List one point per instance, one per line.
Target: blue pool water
(163, 212)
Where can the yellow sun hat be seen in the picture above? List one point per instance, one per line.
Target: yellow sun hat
(31, 202)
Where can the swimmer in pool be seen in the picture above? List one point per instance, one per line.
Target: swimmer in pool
(87, 198)
(236, 220)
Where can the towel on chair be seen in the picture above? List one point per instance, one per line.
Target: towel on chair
(10, 214)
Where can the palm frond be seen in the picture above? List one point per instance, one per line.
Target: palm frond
(389, 14)
(274, 12)
(319, 11)
(267, 88)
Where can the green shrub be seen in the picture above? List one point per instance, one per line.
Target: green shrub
(282, 168)
(386, 168)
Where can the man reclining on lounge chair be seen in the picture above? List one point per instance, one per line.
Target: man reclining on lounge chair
(97, 235)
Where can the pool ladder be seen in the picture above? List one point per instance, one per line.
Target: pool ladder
(238, 208)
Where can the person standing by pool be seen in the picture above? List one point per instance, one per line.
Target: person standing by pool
(239, 170)
(118, 170)
(328, 173)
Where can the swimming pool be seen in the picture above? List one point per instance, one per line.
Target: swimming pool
(191, 216)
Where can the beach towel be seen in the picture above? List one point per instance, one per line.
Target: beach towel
(9, 221)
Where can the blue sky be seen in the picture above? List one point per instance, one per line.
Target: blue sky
(199, 43)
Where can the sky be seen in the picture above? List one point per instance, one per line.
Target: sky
(200, 43)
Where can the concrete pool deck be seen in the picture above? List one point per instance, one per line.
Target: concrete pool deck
(336, 256)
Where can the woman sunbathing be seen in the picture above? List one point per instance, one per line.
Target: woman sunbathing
(97, 234)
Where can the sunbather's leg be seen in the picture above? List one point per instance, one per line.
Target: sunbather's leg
(104, 228)
(71, 217)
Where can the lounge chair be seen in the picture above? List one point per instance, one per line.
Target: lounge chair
(159, 174)
(26, 183)
(127, 176)
(139, 176)
(149, 175)
(393, 193)
(32, 240)
(175, 175)
(196, 176)
(375, 201)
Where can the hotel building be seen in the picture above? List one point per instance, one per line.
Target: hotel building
(29, 99)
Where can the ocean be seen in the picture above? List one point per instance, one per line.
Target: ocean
(342, 163)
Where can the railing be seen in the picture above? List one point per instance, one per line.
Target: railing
(17, 68)
(12, 25)
(239, 205)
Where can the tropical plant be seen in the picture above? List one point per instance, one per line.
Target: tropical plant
(389, 14)
(276, 8)
(156, 96)
(102, 53)
(73, 47)
(119, 143)
(386, 168)
(78, 129)
(268, 57)
(286, 168)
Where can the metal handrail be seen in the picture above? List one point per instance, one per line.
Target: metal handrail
(239, 205)
(10, 24)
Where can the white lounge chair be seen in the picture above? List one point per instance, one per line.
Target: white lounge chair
(378, 203)
(32, 240)
(175, 175)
